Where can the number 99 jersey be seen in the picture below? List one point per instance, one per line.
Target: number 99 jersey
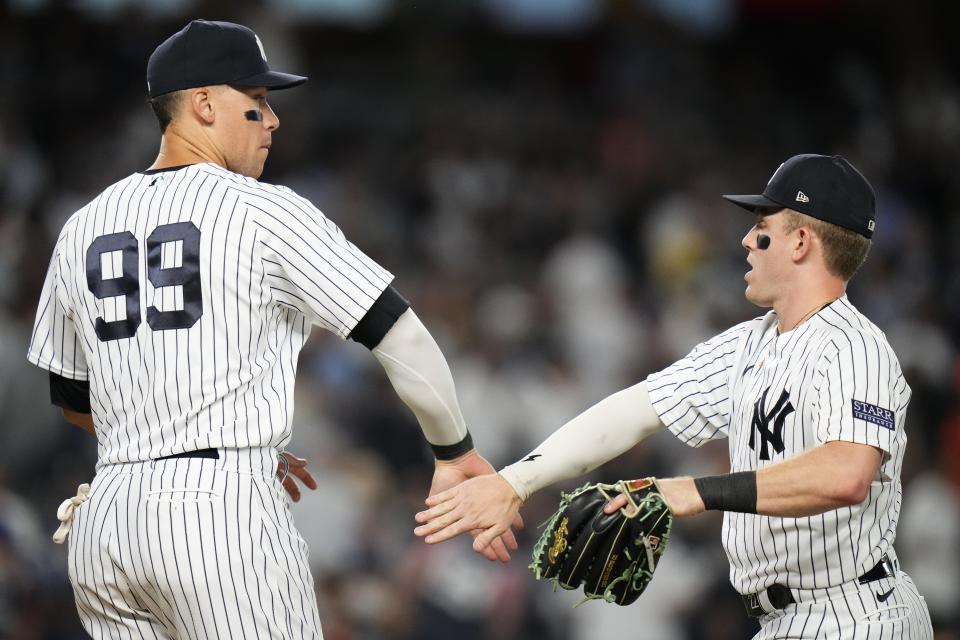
(184, 296)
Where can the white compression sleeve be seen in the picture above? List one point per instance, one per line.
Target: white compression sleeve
(597, 435)
(421, 377)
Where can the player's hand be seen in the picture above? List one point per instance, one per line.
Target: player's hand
(486, 506)
(297, 469)
(616, 504)
(680, 494)
(451, 473)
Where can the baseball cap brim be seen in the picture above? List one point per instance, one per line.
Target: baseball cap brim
(754, 203)
(271, 80)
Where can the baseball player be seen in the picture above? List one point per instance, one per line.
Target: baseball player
(170, 321)
(812, 401)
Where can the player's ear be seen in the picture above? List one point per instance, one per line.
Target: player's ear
(202, 104)
(802, 241)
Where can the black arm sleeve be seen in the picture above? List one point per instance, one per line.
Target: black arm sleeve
(379, 318)
(72, 395)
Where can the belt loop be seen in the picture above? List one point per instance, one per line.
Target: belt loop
(885, 568)
(773, 598)
(763, 597)
(891, 565)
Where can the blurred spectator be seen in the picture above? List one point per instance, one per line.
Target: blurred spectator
(546, 183)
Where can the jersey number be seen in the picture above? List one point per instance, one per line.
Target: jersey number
(127, 284)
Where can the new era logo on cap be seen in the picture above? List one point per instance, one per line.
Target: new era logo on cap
(802, 197)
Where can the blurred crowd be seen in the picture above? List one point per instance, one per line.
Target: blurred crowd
(549, 201)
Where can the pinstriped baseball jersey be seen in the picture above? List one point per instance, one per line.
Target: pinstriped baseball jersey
(834, 377)
(184, 296)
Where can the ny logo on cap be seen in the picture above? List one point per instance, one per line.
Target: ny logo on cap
(263, 53)
(802, 197)
(775, 173)
(870, 225)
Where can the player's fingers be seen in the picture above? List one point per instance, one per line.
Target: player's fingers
(293, 460)
(499, 549)
(452, 530)
(489, 554)
(435, 511)
(486, 552)
(434, 524)
(487, 537)
(305, 476)
(291, 486)
(437, 498)
(614, 505)
(517, 522)
(510, 540)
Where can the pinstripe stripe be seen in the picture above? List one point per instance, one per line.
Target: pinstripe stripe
(271, 264)
(137, 565)
(830, 360)
(853, 612)
(224, 382)
(156, 549)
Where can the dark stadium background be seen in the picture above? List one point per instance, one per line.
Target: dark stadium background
(543, 177)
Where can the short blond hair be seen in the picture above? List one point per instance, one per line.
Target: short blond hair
(844, 251)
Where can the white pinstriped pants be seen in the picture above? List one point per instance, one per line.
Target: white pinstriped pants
(192, 548)
(889, 608)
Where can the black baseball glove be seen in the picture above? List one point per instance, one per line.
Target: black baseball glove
(613, 556)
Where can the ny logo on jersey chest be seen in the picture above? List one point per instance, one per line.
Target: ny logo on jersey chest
(761, 423)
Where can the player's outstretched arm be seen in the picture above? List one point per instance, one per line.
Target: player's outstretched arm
(833, 475)
(597, 435)
(421, 377)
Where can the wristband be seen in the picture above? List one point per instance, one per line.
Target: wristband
(730, 492)
(452, 451)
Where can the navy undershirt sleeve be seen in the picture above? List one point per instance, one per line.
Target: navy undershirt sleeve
(379, 319)
(72, 395)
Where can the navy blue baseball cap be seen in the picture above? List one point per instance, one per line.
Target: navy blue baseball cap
(206, 53)
(828, 188)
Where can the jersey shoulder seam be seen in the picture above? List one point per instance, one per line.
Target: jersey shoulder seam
(247, 186)
(870, 334)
